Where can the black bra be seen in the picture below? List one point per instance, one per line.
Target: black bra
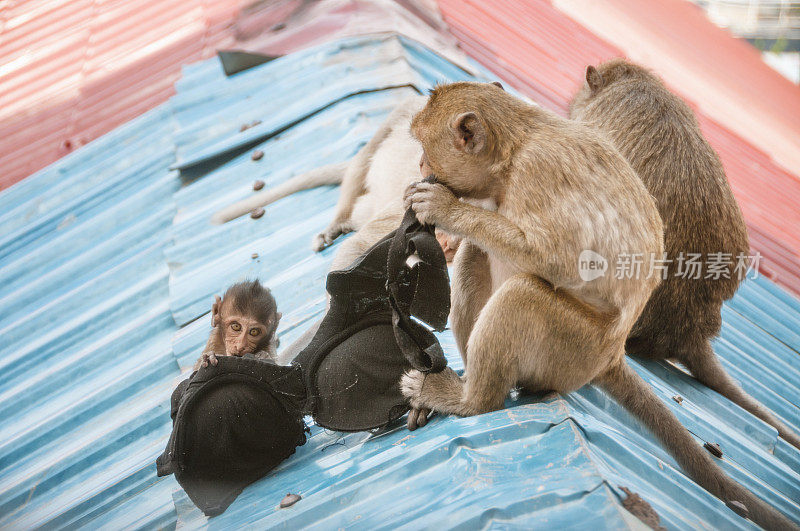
(236, 421)
(368, 339)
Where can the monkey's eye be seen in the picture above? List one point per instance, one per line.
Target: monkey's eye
(254, 331)
(236, 326)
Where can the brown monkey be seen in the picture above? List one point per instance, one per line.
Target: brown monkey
(244, 321)
(522, 312)
(372, 185)
(659, 136)
(370, 199)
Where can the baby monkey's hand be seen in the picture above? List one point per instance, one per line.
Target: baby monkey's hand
(208, 358)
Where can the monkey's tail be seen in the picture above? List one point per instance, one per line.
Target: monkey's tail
(325, 175)
(633, 393)
(709, 371)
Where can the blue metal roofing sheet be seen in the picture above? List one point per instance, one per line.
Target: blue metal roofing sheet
(86, 351)
(104, 252)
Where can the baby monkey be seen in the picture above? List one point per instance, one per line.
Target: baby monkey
(245, 320)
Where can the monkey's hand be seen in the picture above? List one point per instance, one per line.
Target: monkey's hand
(433, 203)
(325, 239)
(208, 358)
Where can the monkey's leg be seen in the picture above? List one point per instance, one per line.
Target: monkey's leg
(492, 368)
(705, 366)
(526, 333)
(353, 186)
(470, 288)
(378, 227)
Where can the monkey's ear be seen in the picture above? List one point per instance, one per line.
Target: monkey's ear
(278, 316)
(593, 79)
(215, 311)
(498, 84)
(470, 135)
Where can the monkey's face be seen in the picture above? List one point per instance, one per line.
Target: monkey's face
(456, 141)
(244, 335)
(245, 318)
(245, 328)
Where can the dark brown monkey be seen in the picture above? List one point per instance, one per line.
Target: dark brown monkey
(244, 321)
(659, 135)
(522, 312)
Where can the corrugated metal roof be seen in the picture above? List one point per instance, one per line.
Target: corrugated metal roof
(72, 71)
(544, 53)
(86, 329)
(103, 271)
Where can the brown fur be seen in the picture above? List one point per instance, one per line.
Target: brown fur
(659, 135)
(370, 199)
(642, 510)
(560, 188)
(250, 307)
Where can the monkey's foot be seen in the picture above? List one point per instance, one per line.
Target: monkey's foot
(417, 418)
(325, 239)
(441, 391)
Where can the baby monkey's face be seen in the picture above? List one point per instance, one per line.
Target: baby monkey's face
(242, 334)
(245, 332)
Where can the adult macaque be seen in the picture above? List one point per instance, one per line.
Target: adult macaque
(244, 321)
(659, 136)
(521, 312)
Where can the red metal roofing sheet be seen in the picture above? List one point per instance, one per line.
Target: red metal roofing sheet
(278, 28)
(725, 76)
(543, 53)
(71, 71)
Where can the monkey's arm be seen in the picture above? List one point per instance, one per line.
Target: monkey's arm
(213, 344)
(435, 204)
(354, 183)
